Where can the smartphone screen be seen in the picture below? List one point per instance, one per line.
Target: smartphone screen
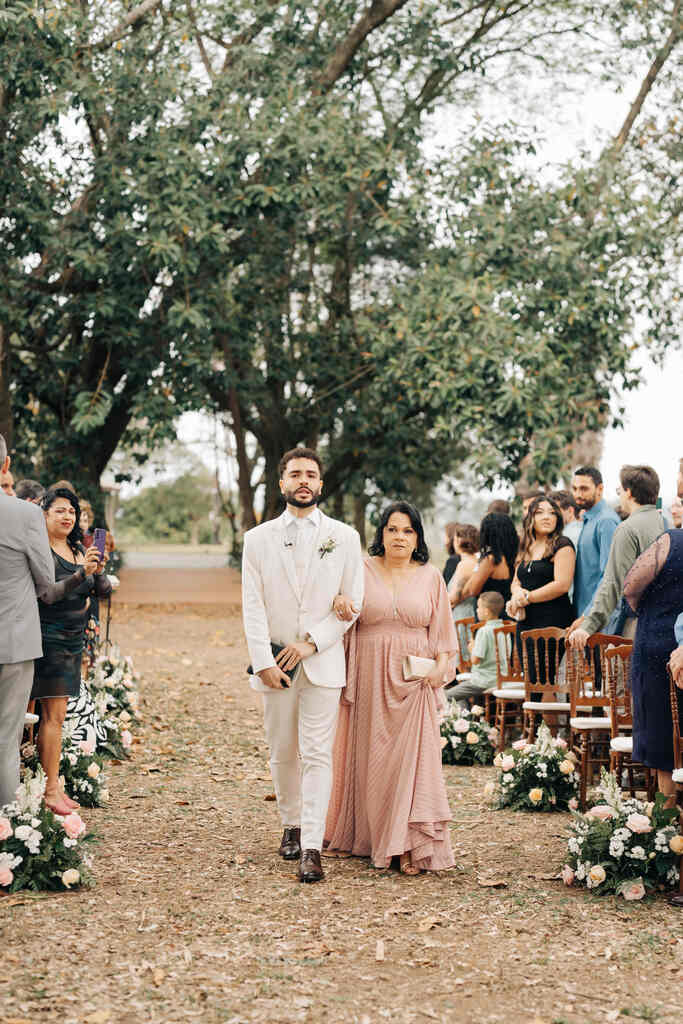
(99, 540)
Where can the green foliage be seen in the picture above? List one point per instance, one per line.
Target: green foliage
(176, 511)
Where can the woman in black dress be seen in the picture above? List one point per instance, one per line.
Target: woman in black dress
(62, 625)
(654, 589)
(498, 544)
(544, 574)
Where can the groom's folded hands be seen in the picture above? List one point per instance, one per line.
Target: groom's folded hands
(274, 677)
(293, 653)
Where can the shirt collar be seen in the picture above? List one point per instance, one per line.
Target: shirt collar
(312, 519)
(591, 513)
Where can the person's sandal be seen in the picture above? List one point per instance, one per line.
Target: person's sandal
(405, 867)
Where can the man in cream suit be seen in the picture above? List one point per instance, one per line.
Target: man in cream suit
(293, 567)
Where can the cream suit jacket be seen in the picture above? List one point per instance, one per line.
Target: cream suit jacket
(276, 610)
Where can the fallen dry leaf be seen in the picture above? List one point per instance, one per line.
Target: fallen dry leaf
(492, 883)
(379, 950)
(428, 923)
(158, 976)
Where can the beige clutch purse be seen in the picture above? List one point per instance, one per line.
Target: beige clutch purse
(416, 668)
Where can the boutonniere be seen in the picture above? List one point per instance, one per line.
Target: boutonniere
(328, 547)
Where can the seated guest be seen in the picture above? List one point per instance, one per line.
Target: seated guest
(544, 573)
(58, 673)
(484, 673)
(453, 558)
(29, 490)
(498, 544)
(26, 570)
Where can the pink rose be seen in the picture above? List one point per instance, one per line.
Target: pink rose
(127, 737)
(567, 875)
(508, 763)
(519, 745)
(87, 747)
(573, 804)
(5, 829)
(634, 890)
(6, 876)
(562, 744)
(73, 825)
(461, 725)
(603, 812)
(638, 823)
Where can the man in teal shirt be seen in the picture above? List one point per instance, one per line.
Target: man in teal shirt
(599, 523)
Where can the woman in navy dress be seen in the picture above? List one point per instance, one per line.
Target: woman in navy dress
(654, 590)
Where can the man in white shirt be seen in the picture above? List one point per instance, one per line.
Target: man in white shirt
(293, 567)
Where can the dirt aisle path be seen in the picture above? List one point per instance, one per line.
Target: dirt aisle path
(194, 917)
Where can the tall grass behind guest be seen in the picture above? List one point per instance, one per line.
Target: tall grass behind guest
(498, 546)
(62, 624)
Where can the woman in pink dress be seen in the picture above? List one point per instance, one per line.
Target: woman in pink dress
(389, 797)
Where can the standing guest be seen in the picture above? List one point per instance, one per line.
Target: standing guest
(598, 526)
(544, 573)
(30, 490)
(453, 556)
(62, 624)
(484, 673)
(389, 798)
(466, 542)
(7, 480)
(293, 567)
(570, 514)
(26, 571)
(676, 659)
(677, 504)
(500, 506)
(654, 590)
(644, 523)
(498, 546)
(86, 521)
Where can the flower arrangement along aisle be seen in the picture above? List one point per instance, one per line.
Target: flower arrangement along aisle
(113, 681)
(539, 776)
(623, 845)
(467, 738)
(39, 849)
(80, 769)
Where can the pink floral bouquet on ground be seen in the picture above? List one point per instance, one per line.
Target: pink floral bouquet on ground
(38, 849)
(467, 738)
(623, 845)
(81, 770)
(538, 776)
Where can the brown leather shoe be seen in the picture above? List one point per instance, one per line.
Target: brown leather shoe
(290, 847)
(310, 868)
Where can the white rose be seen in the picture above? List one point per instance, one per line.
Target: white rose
(471, 738)
(597, 875)
(104, 795)
(93, 770)
(71, 877)
(476, 710)
(566, 767)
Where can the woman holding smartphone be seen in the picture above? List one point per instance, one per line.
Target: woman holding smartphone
(62, 624)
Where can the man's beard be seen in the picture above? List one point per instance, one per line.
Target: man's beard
(291, 499)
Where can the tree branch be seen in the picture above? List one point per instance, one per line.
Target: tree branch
(132, 18)
(376, 14)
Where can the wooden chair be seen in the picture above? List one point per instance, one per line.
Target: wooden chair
(678, 765)
(462, 631)
(542, 678)
(589, 719)
(618, 671)
(509, 692)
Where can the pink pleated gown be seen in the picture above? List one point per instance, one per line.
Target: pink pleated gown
(388, 795)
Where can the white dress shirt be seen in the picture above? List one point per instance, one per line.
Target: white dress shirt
(301, 532)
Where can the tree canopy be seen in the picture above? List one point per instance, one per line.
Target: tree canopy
(232, 207)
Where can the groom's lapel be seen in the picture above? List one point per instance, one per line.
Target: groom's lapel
(314, 560)
(286, 552)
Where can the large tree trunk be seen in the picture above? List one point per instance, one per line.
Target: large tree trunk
(360, 504)
(5, 400)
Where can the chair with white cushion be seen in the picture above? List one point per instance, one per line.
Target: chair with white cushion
(509, 690)
(589, 718)
(542, 651)
(618, 671)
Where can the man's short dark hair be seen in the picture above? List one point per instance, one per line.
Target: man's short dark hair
(299, 453)
(592, 472)
(29, 490)
(3, 449)
(642, 482)
(565, 500)
(500, 506)
(530, 495)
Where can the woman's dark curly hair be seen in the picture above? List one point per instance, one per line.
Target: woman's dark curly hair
(421, 552)
(75, 538)
(498, 538)
(529, 534)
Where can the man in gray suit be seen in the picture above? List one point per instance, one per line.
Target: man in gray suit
(26, 572)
